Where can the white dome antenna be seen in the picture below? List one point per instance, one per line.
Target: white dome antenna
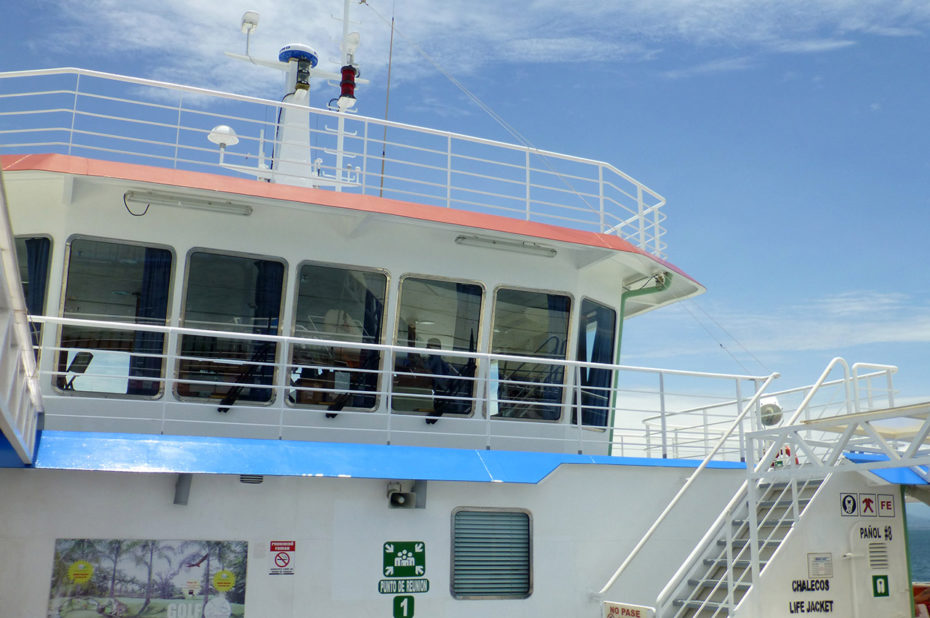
(248, 26)
(249, 22)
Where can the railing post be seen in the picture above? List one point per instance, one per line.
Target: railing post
(77, 89)
(576, 390)
(742, 431)
(527, 172)
(642, 223)
(389, 390)
(171, 365)
(364, 171)
(890, 388)
(177, 132)
(600, 195)
(662, 419)
(448, 171)
(728, 530)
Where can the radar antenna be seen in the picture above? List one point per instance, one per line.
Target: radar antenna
(292, 161)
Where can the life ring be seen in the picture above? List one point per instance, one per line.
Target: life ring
(784, 455)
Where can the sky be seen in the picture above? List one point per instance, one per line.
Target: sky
(789, 137)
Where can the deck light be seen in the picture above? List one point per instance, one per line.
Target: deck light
(177, 200)
(514, 246)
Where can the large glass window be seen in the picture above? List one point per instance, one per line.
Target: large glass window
(337, 304)
(118, 283)
(437, 315)
(491, 554)
(32, 256)
(534, 324)
(595, 345)
(236, 294)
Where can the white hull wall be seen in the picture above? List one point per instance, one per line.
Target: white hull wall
(843, 540)
(585, 519)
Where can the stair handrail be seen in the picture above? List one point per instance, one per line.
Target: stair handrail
(681, 492)
(709, 536)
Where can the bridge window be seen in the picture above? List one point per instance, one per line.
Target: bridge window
(442, 316)
(124, 285)
(340, 305)
(236, 294)
(534, 324)
(595, 345)
(491, 554)
(32, 255)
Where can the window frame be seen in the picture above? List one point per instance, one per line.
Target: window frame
(395, 339)
(62, 300)
(282, 312)
(613, 348)
(295, 297)
(567, 384)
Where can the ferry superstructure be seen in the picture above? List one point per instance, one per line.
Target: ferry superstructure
(271, 360)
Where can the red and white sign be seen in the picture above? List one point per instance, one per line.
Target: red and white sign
(868, 505)
(284, 546)
(885, 505)
(282, 557)
(625, 610)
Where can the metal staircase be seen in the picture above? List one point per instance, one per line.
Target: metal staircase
(720, 571)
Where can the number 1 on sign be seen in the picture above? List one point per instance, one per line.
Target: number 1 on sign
(403, 607)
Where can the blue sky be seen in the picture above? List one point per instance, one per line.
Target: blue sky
(790, 138)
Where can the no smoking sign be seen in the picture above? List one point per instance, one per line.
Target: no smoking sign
(282, 557)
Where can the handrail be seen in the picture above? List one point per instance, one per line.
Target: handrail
(755, 468)
(22, 423)
(589, 194)
(295, 354)
(699, 547)
(671, 505)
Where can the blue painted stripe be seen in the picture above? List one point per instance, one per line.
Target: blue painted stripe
(70, 450)
(9, 458)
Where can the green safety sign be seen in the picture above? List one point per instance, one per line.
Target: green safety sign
(404, 559)
(403, 607)
(880, 586)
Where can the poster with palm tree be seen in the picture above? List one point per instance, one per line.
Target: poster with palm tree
(148, 578)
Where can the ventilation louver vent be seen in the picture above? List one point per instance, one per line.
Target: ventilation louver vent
(878, 556)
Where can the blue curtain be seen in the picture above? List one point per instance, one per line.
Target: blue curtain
(151, 308)
(596, 383)
(268, 284)
(37, 251)
(369, 360)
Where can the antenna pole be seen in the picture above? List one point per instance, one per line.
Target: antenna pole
(387, 101)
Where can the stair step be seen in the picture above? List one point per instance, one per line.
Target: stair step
(744, 542)
(720, 584)
(737, 564)
(786, 502)
(766, 524)
(691, 604)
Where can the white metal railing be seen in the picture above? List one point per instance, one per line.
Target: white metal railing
(101, 115)
(782, 454)
(20, 399)
(379, 392)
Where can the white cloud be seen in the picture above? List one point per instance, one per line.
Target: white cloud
(716, 66)
(184, 39)
(832, 324)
